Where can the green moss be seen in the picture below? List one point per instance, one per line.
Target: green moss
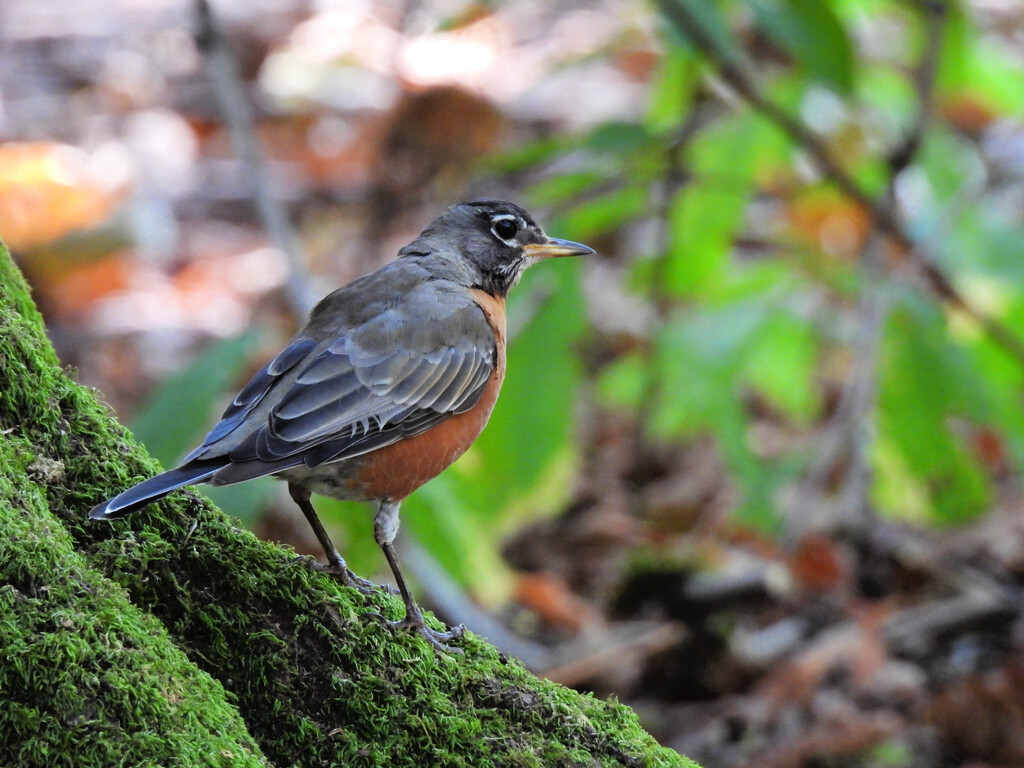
(86, 678)
(225, 637)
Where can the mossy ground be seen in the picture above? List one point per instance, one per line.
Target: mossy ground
(176, 638)
(79, 662)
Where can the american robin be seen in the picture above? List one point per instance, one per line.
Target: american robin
(392, 379)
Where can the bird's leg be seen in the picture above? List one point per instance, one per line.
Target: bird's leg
(336, 562)
(385, 528)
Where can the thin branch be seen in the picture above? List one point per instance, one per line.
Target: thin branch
(856, 410)
(848, 435)
(238, 116)
(738, 75)
(935, 17)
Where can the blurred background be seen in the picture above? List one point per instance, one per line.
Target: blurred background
(756, 466)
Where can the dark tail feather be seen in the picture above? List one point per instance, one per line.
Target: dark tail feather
(151, 490)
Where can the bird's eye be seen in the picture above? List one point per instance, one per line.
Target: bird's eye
(504, 228)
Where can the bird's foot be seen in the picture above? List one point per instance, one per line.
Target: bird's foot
(345, 575)
(349, 579)
(414, 622)
(437, 639)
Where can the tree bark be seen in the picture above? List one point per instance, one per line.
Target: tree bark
(175, 638)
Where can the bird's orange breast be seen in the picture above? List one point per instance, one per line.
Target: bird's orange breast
(395, 471)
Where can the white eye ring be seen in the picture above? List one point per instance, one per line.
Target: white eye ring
(503, 217)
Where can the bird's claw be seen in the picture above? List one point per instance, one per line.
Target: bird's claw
(415, 623)
(385, 623)
(345, 575)
(349, 579)
(437, 639)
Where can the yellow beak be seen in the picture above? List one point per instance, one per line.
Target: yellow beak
(556, 247)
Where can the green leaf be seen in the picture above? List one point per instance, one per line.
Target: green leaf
(708, 212)
(672, 90)
(972, 66)
(618, 137)
(814, 36)
(889, 95)
(557, 189)
(697, 359)
(699, 362)
(607, 212)
(928, 385)
(782, 365)
(1002, 380)
(623, 383)
(705, 360)
(896, 488)
(704, 220)
(525, 156)
(706, 14)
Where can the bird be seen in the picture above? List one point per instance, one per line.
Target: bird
(392, 378)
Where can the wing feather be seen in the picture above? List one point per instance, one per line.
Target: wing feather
(251, 395)
(385, 379)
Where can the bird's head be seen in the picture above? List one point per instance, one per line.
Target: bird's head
(489, 244)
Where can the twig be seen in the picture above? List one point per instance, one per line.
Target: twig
(855, 413)
(850, 428)
(238, 116)
(936, 13)
(625, 646)
(738, 75)
(916, 629)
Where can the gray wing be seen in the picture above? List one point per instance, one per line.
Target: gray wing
(395, 375)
